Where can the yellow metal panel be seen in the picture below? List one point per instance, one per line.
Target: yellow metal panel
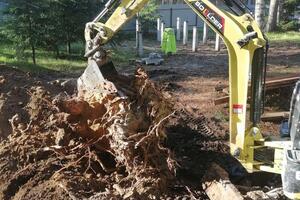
(240, 59)
(269, 169)
(295, 196)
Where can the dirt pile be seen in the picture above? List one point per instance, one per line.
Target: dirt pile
(138, 145)
(99, 147)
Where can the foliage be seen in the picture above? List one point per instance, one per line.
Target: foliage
(149, 15)
(288, 23)
(23, 23)
(47, 24)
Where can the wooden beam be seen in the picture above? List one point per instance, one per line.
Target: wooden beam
(270, 85)
(275, 116)
(221, 100)
(217, 185)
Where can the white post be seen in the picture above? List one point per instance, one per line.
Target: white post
(162, 28)
(218, 42)
(195, 39)
(185, 33)
(141, 45)
(178, 29)
(205, 31)
(137, 30)
(158, 29)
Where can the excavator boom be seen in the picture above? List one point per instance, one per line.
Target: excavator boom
(244, 40)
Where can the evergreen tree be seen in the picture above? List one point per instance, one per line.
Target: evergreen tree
(287, 21)
(23, 24)
(48, 24)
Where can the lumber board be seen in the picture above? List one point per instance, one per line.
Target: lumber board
(217, 185)
(221, 100)
(270, 84)
(275, 116)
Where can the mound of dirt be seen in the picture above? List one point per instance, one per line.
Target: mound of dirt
(109, 144)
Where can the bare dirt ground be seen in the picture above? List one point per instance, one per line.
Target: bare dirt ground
(191, 79)
(45, 154)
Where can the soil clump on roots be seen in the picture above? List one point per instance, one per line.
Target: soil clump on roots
(61, 146)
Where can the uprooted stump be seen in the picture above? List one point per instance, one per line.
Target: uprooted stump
(128, 129)
(110, 144)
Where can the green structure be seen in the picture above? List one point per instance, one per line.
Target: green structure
(169, 41)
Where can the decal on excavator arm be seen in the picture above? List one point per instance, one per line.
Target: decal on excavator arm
(216, 20)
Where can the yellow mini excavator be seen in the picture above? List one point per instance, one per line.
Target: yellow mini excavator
(247, 48)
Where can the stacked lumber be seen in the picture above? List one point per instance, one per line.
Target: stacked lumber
(270, 85)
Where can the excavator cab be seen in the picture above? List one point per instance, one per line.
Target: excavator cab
(291, 162)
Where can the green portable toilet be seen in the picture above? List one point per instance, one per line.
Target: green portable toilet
(169, 42)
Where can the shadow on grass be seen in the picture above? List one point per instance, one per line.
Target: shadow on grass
(29, 67)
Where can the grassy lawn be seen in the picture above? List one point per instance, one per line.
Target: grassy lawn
(47, 60)
(284, 37)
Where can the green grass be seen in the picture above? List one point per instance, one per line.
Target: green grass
(46, 60)
(284, 37)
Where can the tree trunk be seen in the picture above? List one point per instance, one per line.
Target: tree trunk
(33, 54)
(69, 48)
(259, 12)
(279, 12)
(271, 25)
(31, 41)
(68, 44)
(57, 52)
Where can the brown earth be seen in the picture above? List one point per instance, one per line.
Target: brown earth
(50, 153)
(44, 153)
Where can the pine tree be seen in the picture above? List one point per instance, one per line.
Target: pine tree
(48, 24)
(22, 24)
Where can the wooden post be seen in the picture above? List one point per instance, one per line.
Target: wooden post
(205, 31)
(162, 28)
(185, 33)
(158, 30)
(195, 39)
(178, 30)
(218, 42)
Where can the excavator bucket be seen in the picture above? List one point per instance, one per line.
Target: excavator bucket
(96, 79)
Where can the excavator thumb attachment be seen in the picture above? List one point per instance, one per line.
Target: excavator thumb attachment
(96, 79)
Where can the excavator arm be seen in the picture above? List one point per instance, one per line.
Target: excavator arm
(123, 12)
(245, 43)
